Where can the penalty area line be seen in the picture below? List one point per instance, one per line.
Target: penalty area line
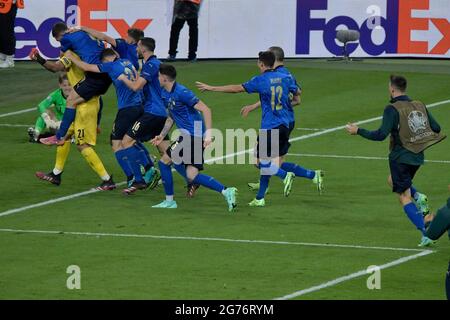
(351, 276)
(190, 238)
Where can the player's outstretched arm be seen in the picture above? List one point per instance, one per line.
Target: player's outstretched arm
(100, 35)
(86, 67)
(133, 85)
(233, 88)
(51, 66)
(207, 116)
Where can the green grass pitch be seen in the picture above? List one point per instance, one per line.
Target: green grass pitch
(127, 250)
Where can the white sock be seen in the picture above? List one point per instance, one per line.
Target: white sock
(56, 171)
(224, 191)
(169, 198)
(106, 178)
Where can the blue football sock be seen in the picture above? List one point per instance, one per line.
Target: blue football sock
(167, 178)
(263, 185)
(281, 173)
(209, 182)
(414, 193)
(298, 170)
(123, 163)
(66, 122)
(415, 216)
(268, 168)
(135, 161)
(181, 169)
(147, 161)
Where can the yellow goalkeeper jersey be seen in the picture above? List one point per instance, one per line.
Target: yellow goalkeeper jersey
(74, 74)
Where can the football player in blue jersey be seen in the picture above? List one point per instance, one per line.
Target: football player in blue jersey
(317, 176)
(194, 120)
(275, 90)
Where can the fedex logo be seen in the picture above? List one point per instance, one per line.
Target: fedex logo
(400, 24)
(81, 12)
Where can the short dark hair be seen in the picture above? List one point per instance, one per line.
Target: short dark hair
(58, 28)
(149, 43)
(62, 76)
(136, 34)
(278, 52)
(399, 82)
(108, 52)
(168, 70)
(267, 58)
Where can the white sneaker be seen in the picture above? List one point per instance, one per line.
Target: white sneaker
(2, 57)
(7, 63)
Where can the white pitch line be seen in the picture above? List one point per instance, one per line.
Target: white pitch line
(51, 201)
(15, 125)
(163, 237)
(17, 112)
(307, 136)
(352, 276)
(334, 156)
(309, 129)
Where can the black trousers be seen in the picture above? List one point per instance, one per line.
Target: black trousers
(177, 25)
(7, 35)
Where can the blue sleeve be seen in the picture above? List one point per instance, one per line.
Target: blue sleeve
(252, 86)
(66, 44)
(189, 98)
(293, 87)
(106, 67)
(121, 47)
(148, 71)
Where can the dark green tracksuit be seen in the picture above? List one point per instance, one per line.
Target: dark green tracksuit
(403, 163)
(440, 225)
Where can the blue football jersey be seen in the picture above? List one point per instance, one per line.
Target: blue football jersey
(125, 96)
(87, 48)
(274, 89)
(284, 70)
(180, 103)
(152, 90)
(127, 51)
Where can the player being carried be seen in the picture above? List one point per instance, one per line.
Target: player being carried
(91, 85)
(317, 176)
(126, 48)
(130, 110)
(185, 110)
(84, 128)
(51, 110)
(274, 89)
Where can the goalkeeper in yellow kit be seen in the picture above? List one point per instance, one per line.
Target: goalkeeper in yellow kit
(83, 129)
